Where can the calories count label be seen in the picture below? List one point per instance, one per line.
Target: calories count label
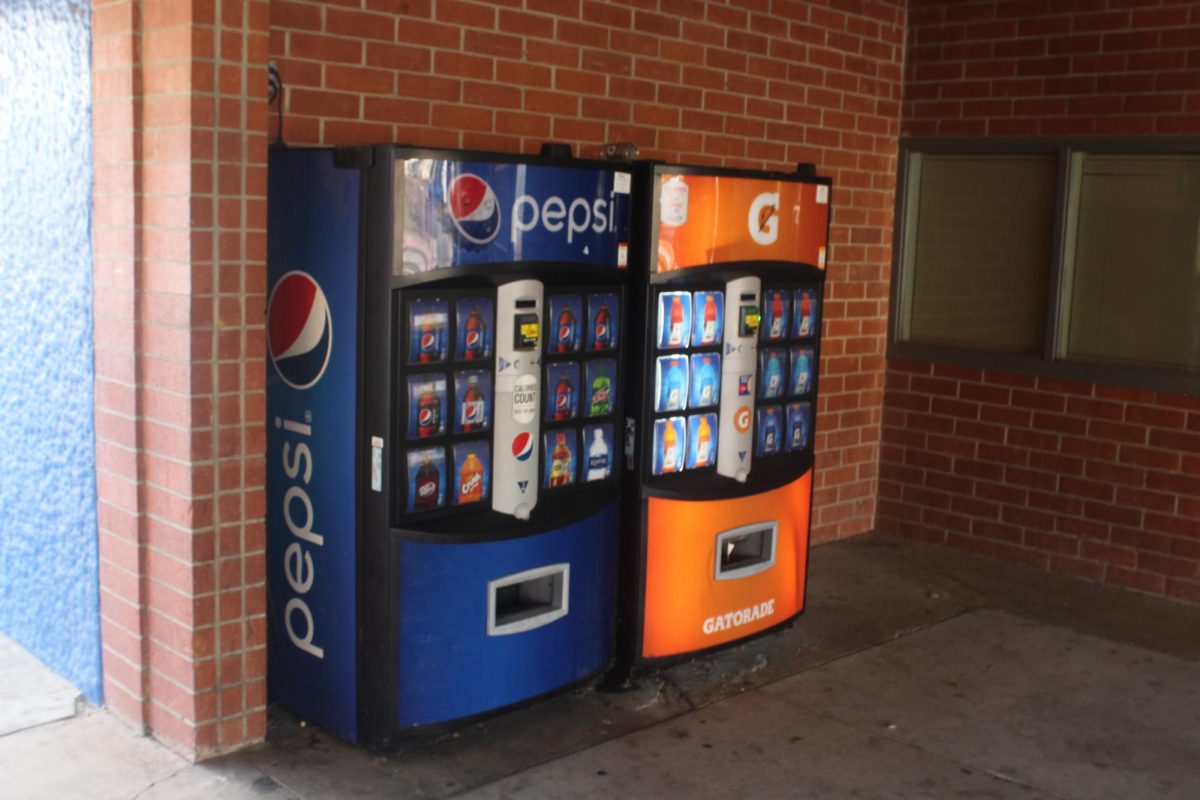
(525, 399)
(673, 202)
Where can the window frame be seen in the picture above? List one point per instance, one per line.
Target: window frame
(1052, 361)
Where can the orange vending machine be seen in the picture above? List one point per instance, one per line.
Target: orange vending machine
(729, 273)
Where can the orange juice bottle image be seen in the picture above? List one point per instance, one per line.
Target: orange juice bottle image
(560, 462)
(703, 443)
(670, 448)
(470, 486)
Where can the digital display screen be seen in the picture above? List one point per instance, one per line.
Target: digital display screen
(527, 331)
(749, 319)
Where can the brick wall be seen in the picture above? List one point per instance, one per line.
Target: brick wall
(754, 83)
(1091, 480)
(179, 243)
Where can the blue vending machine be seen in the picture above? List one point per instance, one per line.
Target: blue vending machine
(443, 402)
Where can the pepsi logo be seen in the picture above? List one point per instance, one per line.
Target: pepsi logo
(474, 210)
(564, 334)
(522, 446)
(428, 342)
(299, 330)
(473, 340)
(561, 400)
(425, 417)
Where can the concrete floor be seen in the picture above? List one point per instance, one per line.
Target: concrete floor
(917, 672)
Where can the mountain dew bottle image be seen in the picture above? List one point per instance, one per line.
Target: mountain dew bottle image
(601, 402)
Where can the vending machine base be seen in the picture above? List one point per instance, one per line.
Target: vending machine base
(478, 636)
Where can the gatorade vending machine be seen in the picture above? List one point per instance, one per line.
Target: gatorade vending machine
(729, 269)
(443, 396)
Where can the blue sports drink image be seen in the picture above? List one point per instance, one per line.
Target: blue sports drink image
(426, 478)
(472, 409)
(562, 388)
(769, 439)
(671, 383)
(475, 324)
(708, 318)
(674, 320)
(564, 320)
(427, 322)
(701, 441)
(805, 312)
(797, 426)
(670, 445)
(427, 405)
(603, 312)
(598, 452)
(706, 380)
(559, 465)
(802, 370)
(771, 369)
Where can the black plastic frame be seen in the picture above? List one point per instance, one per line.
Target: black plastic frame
(1047, 363)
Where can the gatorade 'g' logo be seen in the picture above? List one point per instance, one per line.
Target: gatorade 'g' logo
(763, 220)
(742, 418)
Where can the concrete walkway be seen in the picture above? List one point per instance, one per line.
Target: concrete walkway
(917, 672)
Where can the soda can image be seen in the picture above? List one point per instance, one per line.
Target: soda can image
(562, 391)
(670, 445)
(599, 387)
(561, 457)
(474, 329)
(708, 318)
(806, 312)
(426, 406)
(472, 472)
(426, 478)
(768, 437)
(772, 373)
(701, 441)
(798, 417)
(564, 322)
(598, 453)
(427, 321)
(801, 376)
(776, 316)
(706, 380)
(670, 383)
(674, 320)
(472, 401)
(604, 313)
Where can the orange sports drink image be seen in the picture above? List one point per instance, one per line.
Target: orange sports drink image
(470, 487)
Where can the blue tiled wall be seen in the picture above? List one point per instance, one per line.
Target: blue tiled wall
(49, 596)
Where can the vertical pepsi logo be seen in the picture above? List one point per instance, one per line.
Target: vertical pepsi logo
(299, 330)
(522, 446)
(474, 210)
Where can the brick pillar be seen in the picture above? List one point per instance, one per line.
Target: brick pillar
(179, 236)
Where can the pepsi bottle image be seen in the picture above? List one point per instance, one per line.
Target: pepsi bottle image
(602, 310)
(473, 337)
(472, 407)
(474, 332)
(426, 401)
(568, 331)
(770, 426)
(561, 383)
(427, 331)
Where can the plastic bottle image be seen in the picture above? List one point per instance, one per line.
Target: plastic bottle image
(674, 388)
(560, 462)
(429, 414)
(472, 409)
(709, 332)
(806, 319)
(800, 373)
(429, 344)
(564, 398)
(707, 380)
(471, 480)
(703, 443)
(778, 323)
(603, 329)
(774, 375)
(770, 433)
(597, 457)
(670, 452)
(564, 342)
(675, 332)
(425, 486)
(799, 432)
(474, 336)
(601, 402)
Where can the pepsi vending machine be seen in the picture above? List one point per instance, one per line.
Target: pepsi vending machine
(729, 270)
(446, 354)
